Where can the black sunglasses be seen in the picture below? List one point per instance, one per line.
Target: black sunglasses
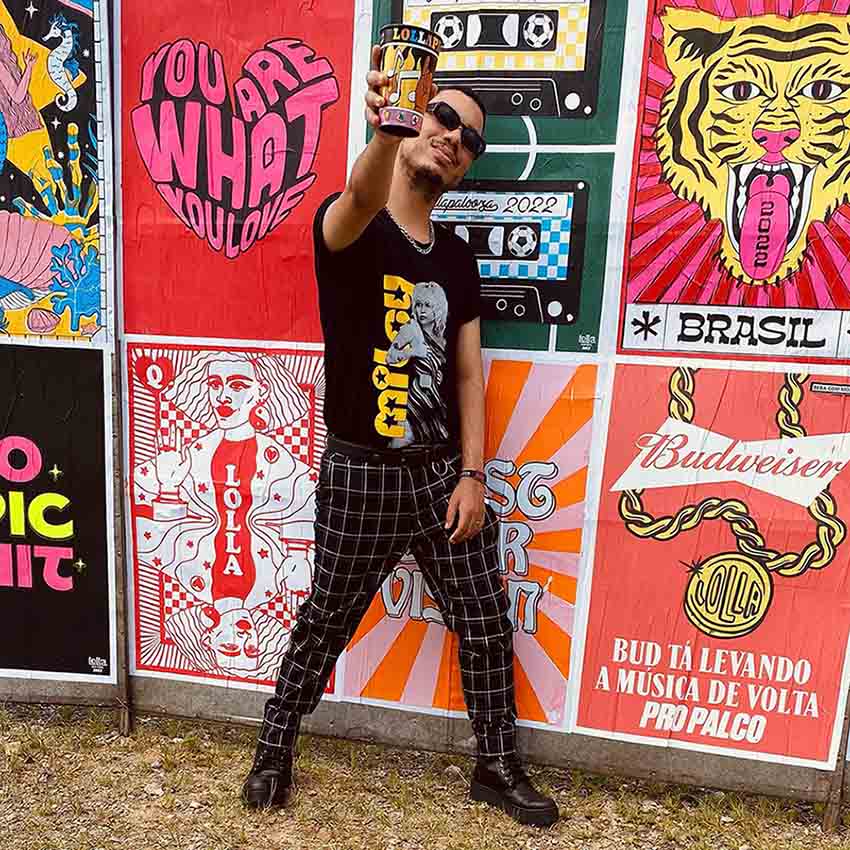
(469, 137)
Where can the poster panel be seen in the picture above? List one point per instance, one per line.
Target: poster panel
(524, 57)
(224, 448)
(538, 227)
(232, 122)
(528, 238)
(537, 445)
(555, 65)
(57, 599)
(55, 157)
(739, 231)
(718, 613)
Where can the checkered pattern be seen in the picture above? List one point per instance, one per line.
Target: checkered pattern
(368, 516)
(554, 258)
(170, 416)
(298, 439)
(174, 597)
(569, 53)
(284, 609)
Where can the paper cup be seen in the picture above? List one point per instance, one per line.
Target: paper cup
(409, 58)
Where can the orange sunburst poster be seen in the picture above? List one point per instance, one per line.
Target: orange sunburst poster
(539, 419)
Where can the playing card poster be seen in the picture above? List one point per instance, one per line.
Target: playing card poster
(540, 419)
(224, 447)
(718, 610)
(234, 126)
(56, 586)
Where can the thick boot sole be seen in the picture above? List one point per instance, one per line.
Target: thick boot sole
(528, 817)
(275, 800)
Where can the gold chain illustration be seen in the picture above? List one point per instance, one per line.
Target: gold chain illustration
(728, 595)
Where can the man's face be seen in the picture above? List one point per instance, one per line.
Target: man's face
(437, 153)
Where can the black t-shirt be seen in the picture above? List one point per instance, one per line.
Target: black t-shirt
(390, 317)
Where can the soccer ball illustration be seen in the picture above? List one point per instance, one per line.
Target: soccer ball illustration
(450, 29)
(538, 30)
(522, 241)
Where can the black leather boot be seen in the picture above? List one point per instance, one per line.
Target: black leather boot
(503, 783)
(270, 781)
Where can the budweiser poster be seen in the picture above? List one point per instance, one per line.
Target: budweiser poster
(718, 607)
(540, 419)
(233, 128)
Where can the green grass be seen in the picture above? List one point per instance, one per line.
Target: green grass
(69, 782)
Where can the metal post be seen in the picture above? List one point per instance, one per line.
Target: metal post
(835, 795)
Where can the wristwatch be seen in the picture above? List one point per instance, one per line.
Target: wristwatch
(477, 474)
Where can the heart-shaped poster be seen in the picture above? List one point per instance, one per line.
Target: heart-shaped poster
(232, 164)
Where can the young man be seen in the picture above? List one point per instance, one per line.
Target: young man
(399, 302)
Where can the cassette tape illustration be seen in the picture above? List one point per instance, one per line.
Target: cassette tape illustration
(525, 57)
(528, 239)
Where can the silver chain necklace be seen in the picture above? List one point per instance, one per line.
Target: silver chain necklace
(417, 245)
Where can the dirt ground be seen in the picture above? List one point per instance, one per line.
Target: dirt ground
(68, 781)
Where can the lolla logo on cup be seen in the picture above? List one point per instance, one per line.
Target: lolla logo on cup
(20, 514)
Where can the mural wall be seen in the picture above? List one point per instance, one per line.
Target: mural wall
(661, 229)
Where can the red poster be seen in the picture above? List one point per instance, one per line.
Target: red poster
(719, 613)
(234, 128)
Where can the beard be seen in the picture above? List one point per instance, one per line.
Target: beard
(427, 179)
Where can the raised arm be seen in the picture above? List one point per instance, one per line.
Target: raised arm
(467, 501)
(369, 184)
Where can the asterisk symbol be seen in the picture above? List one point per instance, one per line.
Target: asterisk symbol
(264, 553)
(203, 488)
(141, 497)
(276, 497)
(144, 470)
(261, 475)
(645, 325)
(157, 562)
(313, 477)
(694, 567)
(147, 535)
(198, 447)
(207, 565)
(190, 544)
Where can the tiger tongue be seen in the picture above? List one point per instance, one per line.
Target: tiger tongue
(765, 226)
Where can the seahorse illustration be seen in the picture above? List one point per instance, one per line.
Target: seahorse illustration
(62, 64)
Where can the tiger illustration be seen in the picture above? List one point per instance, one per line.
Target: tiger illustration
(754, 129)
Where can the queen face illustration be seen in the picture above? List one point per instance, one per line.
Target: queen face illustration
(233, 639)
(235, 392)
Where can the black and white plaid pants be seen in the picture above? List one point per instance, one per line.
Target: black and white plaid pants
(368, 515)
